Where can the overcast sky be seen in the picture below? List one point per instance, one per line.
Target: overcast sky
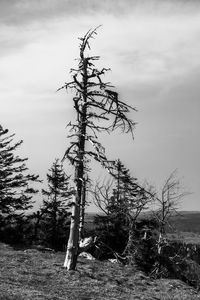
(153, 49)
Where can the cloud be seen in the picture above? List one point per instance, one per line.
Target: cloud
(18, 12)
(155, 48)
(147, 58)
(149, 28)
(153, 51)
(147, 52)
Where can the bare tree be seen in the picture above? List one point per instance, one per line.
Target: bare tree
(102, 194)
(168, 203)
(98, 109)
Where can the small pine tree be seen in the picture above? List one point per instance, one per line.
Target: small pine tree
(121, 206)
(56, 205)
(15, 191)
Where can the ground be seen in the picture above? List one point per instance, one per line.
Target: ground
(36, 275)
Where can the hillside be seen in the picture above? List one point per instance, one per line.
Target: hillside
(184, 221)
(31, 275)
(187, 221)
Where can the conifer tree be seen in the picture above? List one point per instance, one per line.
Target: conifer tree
(15, 190)
(128, 197)
(56, 205)
(122, 202)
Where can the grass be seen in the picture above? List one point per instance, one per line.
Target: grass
(185, 237)
(34, 275)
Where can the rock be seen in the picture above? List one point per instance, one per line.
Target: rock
(86, 243)
(113, 260)
(86, 255)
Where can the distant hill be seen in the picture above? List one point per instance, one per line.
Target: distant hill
(187, 221)
(184, 221)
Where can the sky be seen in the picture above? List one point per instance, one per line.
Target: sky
(152, 48)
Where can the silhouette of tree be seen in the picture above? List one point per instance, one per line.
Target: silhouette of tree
(98, 109)
(55, 209)
(15, 190)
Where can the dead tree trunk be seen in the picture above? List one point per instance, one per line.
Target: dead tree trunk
(73, 242)
(94, 102)
(82, 210)
(72, 246)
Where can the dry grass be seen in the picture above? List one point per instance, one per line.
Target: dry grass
(185, 237)
(35, 275)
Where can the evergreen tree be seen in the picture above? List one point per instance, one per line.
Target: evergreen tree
(15, 190)
(128, 197)
(56, 205)
(122, 202)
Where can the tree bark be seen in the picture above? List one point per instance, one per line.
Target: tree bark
(72, 246)
(73, 242)
(82, 210)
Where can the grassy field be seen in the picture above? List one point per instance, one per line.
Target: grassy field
(31, 274)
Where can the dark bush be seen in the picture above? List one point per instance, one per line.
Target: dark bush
(112, 235)
(15, 230)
